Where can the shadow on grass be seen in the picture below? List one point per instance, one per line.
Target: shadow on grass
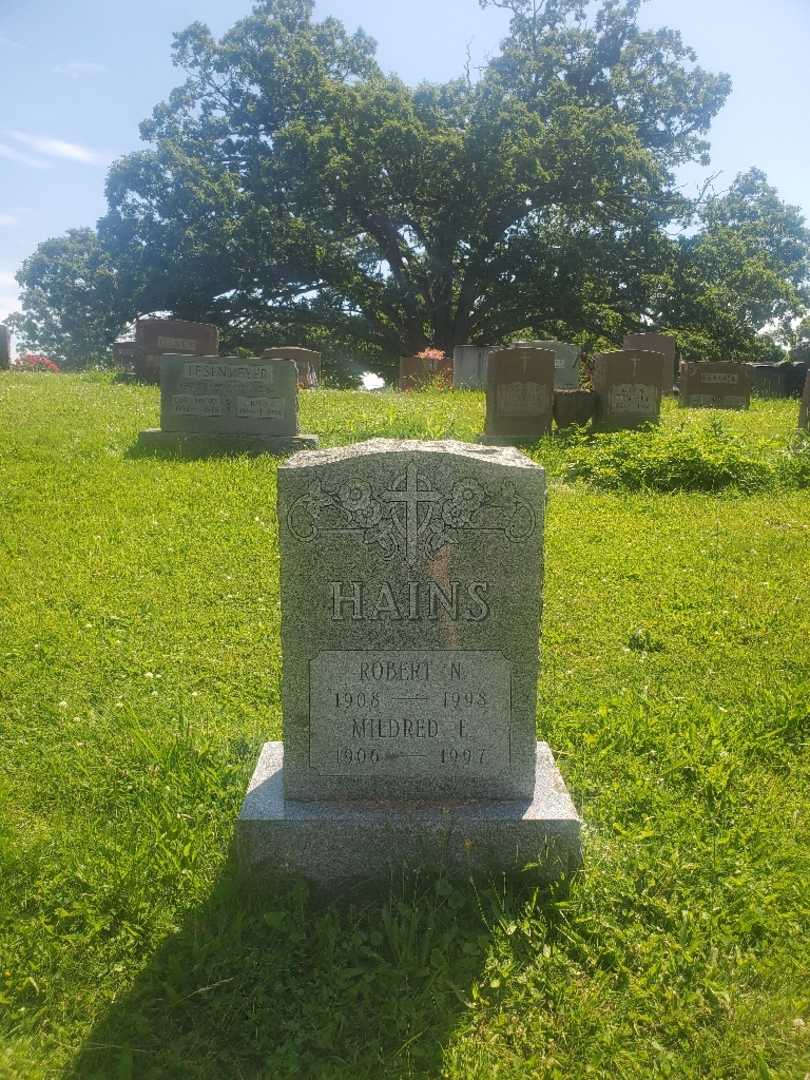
(284, 982)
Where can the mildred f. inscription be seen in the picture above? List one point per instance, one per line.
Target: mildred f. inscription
(411, 578)
(395, 713)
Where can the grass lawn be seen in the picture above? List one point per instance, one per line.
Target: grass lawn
(140, 671)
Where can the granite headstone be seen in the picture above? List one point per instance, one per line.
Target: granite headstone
(307, 361)
(573, 407)
(228, 403)
(627, 385)
(566, 363)
(722, 385)
(470, 367)
(769, 380)
(161, 337)
(666, 347)
(411, 592)
(5, 348)
(520, 394)
(804, 408)
(416, 372)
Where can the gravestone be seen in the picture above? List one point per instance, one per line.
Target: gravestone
(227, 403)
(804, 408)
(796, 373)
(520, 395)
(715, 386)
(566, 363)
(411, 592)
(161, 337)
(573, 407)
(627, 386)
(307, 361)
(662, 344)
(470, 367)
(769, 380)
(5, 348)
(416, 372)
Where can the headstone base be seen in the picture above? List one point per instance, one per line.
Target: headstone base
(188, 443)
(511, 440)
(330, 842)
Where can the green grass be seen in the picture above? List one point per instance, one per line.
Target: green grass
(139, 673)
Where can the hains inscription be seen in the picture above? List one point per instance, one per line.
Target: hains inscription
(411, 601)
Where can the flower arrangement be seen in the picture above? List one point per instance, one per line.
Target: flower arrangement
(37, 362)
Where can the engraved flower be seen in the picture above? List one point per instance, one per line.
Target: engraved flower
(355, 497)
(465, 499)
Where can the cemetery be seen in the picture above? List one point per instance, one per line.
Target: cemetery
(404, 573)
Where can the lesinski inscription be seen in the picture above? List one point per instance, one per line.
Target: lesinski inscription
(410, 519)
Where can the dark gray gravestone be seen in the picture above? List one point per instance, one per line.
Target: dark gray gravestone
(229, 403)
(715, 386)
(627, 385)
(5, 349)
(573, 407)
(520, 394)
(411, 591)
(804, 409)
(769, 380)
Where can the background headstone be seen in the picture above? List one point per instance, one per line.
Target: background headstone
(470, 367)
(411, 591)
(769, 380)
(804, 409)
(419, 371)
(796, 373)
(520, 394)
(627, 386)
(5, 348)
(231, 401)
(307, 361)
(573, 407)
(566, 363)
(162, 337)
(722, 385)
(665, 346)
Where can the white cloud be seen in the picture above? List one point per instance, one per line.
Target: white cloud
(77, 69)
(7, 219)
(50, 147)
(12, 154)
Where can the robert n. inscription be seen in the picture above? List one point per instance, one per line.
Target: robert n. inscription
(409, 713)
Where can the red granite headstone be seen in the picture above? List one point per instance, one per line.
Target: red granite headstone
(158, 337)
(662, 344)
(573, 407)
(520, 394)
(627, 385)
(307, 362)
(722, 385)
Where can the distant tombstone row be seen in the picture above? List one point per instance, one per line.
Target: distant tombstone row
(228, 403)
(5, 349)
(715, 385)
(778, 380)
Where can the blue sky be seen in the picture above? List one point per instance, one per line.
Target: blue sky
(77, 76)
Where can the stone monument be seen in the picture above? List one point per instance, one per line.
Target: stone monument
(627, 386)
(665, 346)
(307, 362)
(5, 348)
(411, 593)
(227, 404)
(722, 385)
(573, 407)
(416, 372)
(804, 408)
(566, 363)
(470, 367)
(769, 380)
(160, 337)
(520, 395)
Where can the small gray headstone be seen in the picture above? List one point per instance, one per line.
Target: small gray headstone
(470, 367)
(253, 402)
(411, 591)
(566, 363)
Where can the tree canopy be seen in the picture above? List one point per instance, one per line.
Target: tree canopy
(291, 189)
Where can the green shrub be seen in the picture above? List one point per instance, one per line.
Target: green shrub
(686, 458)
(795, 463)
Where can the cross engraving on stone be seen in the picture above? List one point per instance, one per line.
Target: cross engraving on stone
(411, 496)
